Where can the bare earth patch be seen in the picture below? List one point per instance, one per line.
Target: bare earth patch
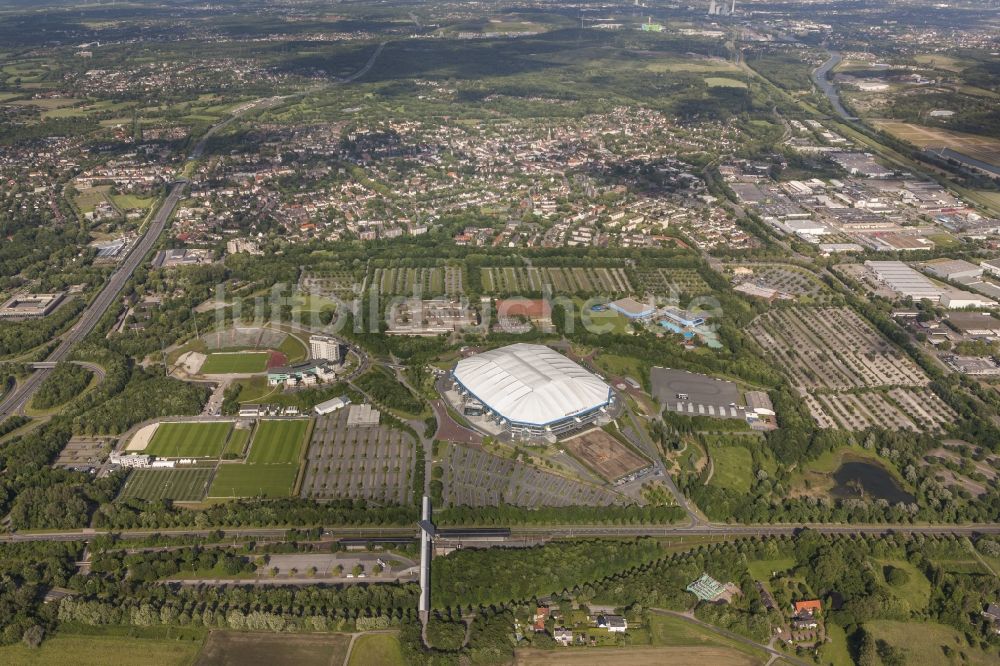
(140, 440)
(190, 363)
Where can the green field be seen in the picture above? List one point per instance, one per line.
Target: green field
(924, 643)
(733, 466)
(237, 648)
(189, 440)
(671, 631)
(382, 649)
(835, 652)
(723, 82)
(101, 651)
(246, 480)
(278, 441)
(237, 442)
(916, 591)
(762, 569)
(220, 363)
(178, 484)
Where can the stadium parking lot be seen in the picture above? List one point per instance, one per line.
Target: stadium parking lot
(374, 463)
(476, 478)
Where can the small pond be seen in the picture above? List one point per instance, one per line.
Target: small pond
(856, 478)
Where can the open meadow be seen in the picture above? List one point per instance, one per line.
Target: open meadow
(234, 648)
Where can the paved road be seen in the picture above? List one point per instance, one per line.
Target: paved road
(16, 400)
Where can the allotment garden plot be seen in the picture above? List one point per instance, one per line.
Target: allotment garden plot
(850, 375)
(667, 281)
(373, 463)
(475, 478)
(435, 281)
(509, 280)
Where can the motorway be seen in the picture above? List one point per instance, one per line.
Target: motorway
(16, 400)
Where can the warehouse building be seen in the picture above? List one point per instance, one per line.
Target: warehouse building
(904, 280)
(532, 391)
(953, 269)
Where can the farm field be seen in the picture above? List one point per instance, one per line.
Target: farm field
(923, 642)
(374, 463)
(245, 480)
(512, 280)
(982, 148)
(278, 441)
(604, 454)
(101, 651)
(219, 363)
(233, 648)
(189, 440)
(179, 484)
(476, 478)
(635, 656)
(381, 649)
(670, 631)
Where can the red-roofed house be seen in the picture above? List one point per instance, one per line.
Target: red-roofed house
(808, 606)
(541, 615)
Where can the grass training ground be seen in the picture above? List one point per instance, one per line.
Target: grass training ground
(178, 484)
(272, 466)
(189, 440)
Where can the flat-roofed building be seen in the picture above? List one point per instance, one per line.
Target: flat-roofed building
(904, 280)
(363, 415)
(632, 308)
(953, 269)
(977, 324)
(31, 305)
(324, 347)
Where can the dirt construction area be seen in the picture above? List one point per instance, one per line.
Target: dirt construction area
(637, 656)
(604, 454)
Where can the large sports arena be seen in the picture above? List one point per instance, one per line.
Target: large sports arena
(532, 391)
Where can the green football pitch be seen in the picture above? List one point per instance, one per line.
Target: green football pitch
(278, 441)
(220, 363)
(248, 480)
(179, 484)
(189, 440)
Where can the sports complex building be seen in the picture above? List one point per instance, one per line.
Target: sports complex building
(530, 391)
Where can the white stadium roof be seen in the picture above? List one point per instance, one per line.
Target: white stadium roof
(531, 384)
